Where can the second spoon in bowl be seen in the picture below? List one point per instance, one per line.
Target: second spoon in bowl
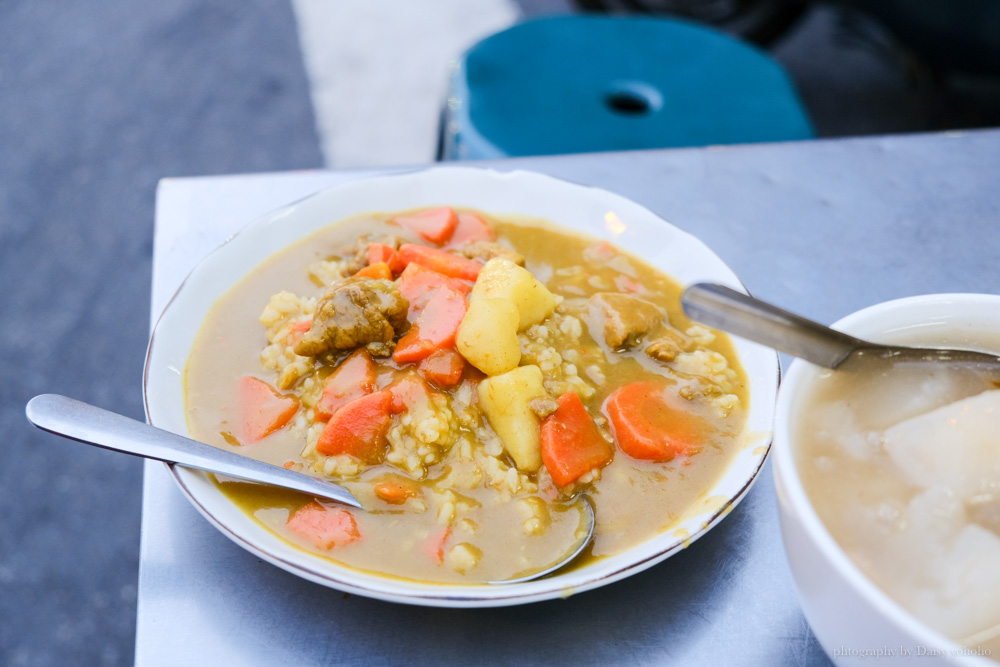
(744, 316)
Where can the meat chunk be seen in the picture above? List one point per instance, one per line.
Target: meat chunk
(487, 250)
(356, 312)
(621, 318)
(668, 345)
(543, 406)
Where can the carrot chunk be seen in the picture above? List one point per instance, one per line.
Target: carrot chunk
(433, 546)
(359, 428)
(396, 489)
(439, 260)
(443, 367)
(380, 252)
(628, 285)
(378, 270)
(471, 228)
(263, 409)
(408, 393)
(325, 527)
(434, 329)
(353, 378)
(418, 284)
(298, 329)
(572, 445)
(434, 224)
(645, 426)
(602, 251)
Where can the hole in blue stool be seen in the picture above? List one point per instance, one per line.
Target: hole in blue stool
(633, 98)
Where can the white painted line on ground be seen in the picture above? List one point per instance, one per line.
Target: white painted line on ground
(378, 71)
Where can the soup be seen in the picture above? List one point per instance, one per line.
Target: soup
(902, 465)
(468, 379)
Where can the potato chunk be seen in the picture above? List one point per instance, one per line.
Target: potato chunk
(487, 336)
(506, 401)
(502, 278)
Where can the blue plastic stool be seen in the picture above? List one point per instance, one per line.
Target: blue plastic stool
(574, 84)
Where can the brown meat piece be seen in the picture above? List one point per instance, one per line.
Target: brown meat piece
(667, 346)
(356, 312)
(621, 318)
(487, 250)
(543, 406)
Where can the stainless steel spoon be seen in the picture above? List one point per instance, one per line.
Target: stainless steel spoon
(724, 308)
(95, 426)
(89, 424)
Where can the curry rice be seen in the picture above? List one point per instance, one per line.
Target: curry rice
(453, 492)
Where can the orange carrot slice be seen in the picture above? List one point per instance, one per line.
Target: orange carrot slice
(443, 367)
(572, 445)
(378, 270)
(353, 378)
(418, 285)
(434, 224)
(263, 409)
(396, 489)
(380, 252)
(645, 425)
(324, 527)
(433, 546)
(439, 260)
(408, 393)
(359, 428)
(298, 329)
(434, 329)
(471, 228)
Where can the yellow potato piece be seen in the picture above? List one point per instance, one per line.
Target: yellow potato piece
(505, 400)
(502, 278)
(487, 336)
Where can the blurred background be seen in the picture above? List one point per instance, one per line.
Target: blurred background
(100, 100)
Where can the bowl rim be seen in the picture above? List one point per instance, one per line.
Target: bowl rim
(786, 471)
(437, 594)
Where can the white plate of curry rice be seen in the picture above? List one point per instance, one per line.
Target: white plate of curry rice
(468, 352)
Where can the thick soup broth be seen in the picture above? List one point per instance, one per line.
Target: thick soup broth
(902, 465)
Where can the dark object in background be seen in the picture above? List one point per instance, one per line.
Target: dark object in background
(758, 21)
(946, 35)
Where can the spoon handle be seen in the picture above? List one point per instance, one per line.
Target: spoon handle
(92, 425)
(724, 308)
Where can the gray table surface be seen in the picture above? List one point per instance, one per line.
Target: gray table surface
(823, 228)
